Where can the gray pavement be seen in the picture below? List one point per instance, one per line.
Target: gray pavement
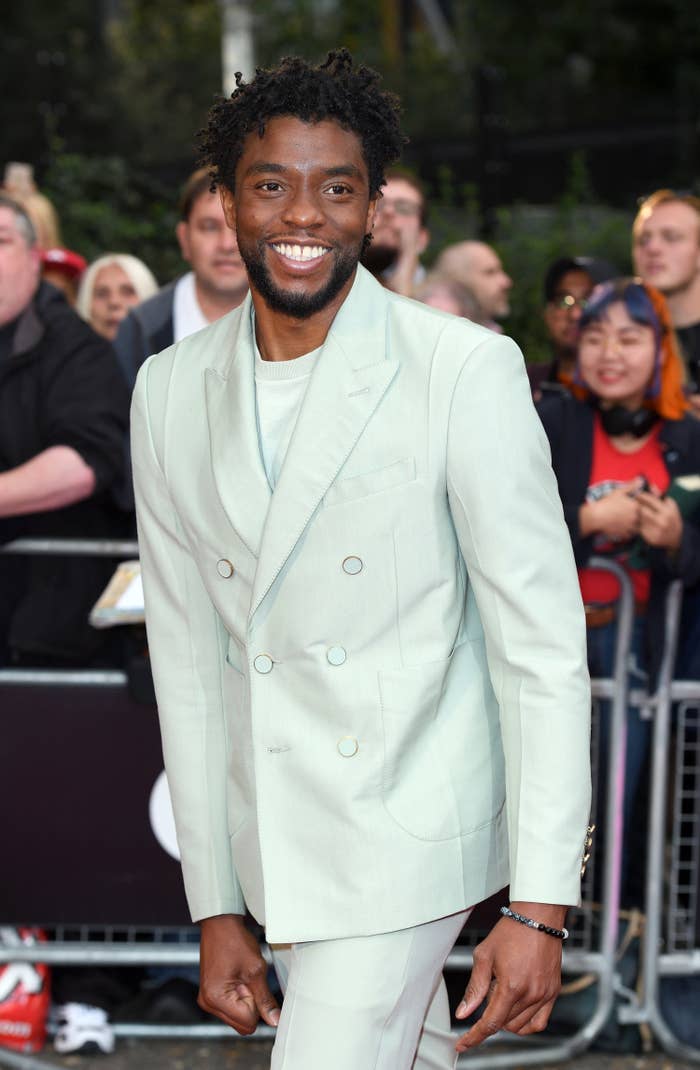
(255, 1055)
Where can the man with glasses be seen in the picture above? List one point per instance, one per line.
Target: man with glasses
(400, 234)
(567, 286)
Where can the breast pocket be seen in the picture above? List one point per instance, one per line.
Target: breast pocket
(361, 486)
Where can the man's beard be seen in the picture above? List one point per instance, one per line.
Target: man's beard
(299, 305)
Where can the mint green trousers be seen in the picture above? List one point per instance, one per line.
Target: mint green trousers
(367, 1002)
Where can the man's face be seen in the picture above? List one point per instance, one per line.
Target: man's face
(563, 312)
(301, 209)
(209, 245)
(488, 282)
(19, 268)
(666, 247)
(398, 219)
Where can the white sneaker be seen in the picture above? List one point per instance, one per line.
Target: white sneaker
(83, 1028)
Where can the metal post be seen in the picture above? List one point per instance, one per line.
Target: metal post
(651, 944)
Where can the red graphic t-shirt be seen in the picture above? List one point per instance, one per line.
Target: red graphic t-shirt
(610, 468)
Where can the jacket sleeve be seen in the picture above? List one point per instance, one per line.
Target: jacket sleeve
(508, 517)
(552, 413)
(186, 646)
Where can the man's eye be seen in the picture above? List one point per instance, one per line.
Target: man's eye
(339, 188)
(270, 187)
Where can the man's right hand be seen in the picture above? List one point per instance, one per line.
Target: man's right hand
(233, 975)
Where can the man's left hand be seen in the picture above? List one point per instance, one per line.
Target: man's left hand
(519, 969)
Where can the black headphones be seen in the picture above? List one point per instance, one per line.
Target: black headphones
(621, 421)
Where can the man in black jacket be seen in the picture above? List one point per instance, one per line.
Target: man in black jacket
(63, 419)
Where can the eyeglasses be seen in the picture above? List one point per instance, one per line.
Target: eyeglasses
(400, 206)
(568, 301)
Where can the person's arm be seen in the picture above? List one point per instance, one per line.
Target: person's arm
(85, 406)
(56, 477)
(509, 522)
(186, 646)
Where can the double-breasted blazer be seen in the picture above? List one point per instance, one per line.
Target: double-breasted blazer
(372, 682)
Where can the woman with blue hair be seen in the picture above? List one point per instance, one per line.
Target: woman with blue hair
(618, 442)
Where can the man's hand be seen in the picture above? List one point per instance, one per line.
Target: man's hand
(232, 975)
(660, 521)
(520, 970)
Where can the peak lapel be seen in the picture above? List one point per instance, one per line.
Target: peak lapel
(352, 374)
(238, 470)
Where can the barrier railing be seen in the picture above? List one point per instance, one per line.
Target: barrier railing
(671, 904)
(592, 948)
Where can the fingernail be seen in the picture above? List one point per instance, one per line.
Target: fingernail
(275, 1016)
(461, 1010)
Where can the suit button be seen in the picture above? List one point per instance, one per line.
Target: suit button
(336, 655)
(353, 565)
(348, 746)
(263, 663)
(225, 568)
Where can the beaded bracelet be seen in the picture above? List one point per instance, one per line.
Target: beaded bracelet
(561, 934)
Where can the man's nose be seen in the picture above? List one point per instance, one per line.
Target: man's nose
(303, 210)
(227, 239)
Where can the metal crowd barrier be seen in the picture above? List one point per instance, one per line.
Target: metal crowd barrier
(669, 945)
(591, 949)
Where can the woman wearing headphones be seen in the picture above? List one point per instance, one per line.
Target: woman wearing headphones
(617, 447)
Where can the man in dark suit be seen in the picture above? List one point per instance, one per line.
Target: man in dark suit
(215, 284)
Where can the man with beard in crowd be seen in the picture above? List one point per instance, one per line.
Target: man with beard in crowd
(400, 234)
(478, 267)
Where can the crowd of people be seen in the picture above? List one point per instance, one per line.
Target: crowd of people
(619, 402)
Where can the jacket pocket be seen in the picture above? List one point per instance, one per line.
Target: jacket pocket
(360, 486)
(443, 760)
(416, 789)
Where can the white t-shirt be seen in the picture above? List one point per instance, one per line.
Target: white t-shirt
(187, 315)
(280, 386)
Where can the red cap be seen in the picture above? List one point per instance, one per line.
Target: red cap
(65, 260)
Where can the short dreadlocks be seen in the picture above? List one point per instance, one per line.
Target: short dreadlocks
(335, 89)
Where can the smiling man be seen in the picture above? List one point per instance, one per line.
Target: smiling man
(363, 613)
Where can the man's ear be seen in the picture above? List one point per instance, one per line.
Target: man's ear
(228, 204)
(371, 212)
(182, 233)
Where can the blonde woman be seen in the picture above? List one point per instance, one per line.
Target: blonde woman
(110, 287)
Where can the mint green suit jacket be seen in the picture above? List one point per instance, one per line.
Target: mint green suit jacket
(372, 683)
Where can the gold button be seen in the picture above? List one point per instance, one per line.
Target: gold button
(353, 565)
(225, 568)
(348, 746)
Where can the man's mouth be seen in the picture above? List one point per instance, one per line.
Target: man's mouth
(301, 253)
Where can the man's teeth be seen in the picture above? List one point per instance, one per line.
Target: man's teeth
(301, 252)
